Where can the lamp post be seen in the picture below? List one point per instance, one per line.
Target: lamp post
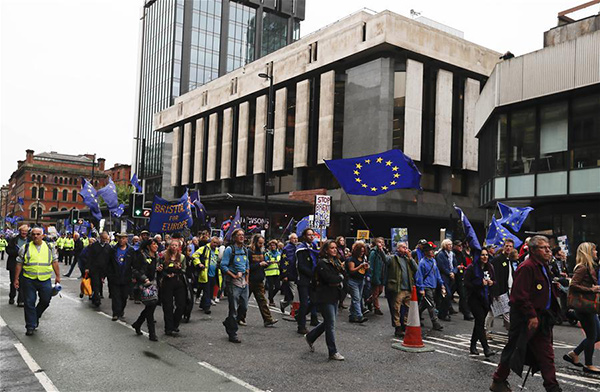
(268, 135)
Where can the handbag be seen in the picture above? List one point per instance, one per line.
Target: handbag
(583, 301)
(86, 286)
(149, 295)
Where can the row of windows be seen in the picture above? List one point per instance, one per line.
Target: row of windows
(37, 211)
(57, 180)
(41, 193)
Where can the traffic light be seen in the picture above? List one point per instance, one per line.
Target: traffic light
(136, 204)
(74, 216)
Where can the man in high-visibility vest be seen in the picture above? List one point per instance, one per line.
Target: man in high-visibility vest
(273, 257)
(69, 245)
(37, 259)
(60, 244)
(3, 245)
(206, 260)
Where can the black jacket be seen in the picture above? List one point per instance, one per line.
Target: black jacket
(257, 273)
(97, 258)
(120, 274)
(78, 247)
(304, 263)
(474, 285)
(502, 266)
(141, 269)
(326, 288)
(12, 249)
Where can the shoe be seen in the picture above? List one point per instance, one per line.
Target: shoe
(311, 348)
(11, 301)
(137, 301)
(242, 323)
(468, 317)
(234, 339)
(213, 302)
(29, 332)
(198, 301)
(207, 311)
(272, 304)
(176, 330)
(437, 326)
(122, 318)
(302, 331)
(362, 320)
(20, 305)
(271, 323)
(445, 318)
(500, 386)
(153, 338)
(572, 358)
(66, 275)
(378, 312)
(138, 328)
(186, 319)
(169, 333)
(591, 369)
(489, 353)
(398, 332)
(342, 306)
(115, 318)
(473, 350)
(282, 306)
(217, 300)
(337, 357)
(366, 311)
(314, 321)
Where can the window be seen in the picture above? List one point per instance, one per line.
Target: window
(399, 104)
(34, 192)
(55, 194)
(585, 132)
(60, 180)
(65, 195)
(42, 193)
(118, 175)
(74, 196)
(523, 144)
(56, 180)
(553, 137)
(53, 209)
(33, 177)
(338, 114)
(64, 209)
(74, 181)
(44, 179)
(32, 213)
(275, 30)
(428, 117)
(501, 140)
(290, 128)
(70, 181)
(242, 31)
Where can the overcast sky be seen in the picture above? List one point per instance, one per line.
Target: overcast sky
(68, 67)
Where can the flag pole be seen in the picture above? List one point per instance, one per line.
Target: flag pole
(356, 209)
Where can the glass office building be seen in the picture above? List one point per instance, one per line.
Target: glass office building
(186, 44)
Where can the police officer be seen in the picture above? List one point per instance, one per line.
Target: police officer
(69, 246)
(37, 259)
(273, 257)
(3, 244)
(60, 245)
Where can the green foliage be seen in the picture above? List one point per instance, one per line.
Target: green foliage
(123, 192)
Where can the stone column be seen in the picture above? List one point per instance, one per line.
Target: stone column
(443, 119)
(242, 152)
(413, 109)
(301, 130)
(470, 142)
(211, 164)
(199, 151)
(280, 128)
(187, 154)
(226, 145)
(175, 157)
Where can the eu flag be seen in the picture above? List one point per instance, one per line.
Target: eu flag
(301, 226)
(109, 194)
(373, 175)
(136, 183)
(469, 231)
(513, 217)
(88, 193)
(200, 211)
(289, 227)
(497, 234)
(236, 224)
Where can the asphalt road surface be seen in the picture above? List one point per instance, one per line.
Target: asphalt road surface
(78, 348)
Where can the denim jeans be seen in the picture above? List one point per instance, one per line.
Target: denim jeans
(328, 311)
(356, 288)
(591, 326)
(31, 289)
(238, 305)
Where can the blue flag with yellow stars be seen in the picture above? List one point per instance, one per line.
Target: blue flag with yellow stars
(89, 195)
(471, 237)
(497, 234)
(136, 183)
(236, 224)
(376, 174)
(513, 217)
(109, 194)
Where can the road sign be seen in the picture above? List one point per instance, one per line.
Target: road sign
(146, 213)
(362, 234)
(322, 211)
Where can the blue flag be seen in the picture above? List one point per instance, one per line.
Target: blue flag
(301, 226)
(170, 216)
(136, 183)
(471, 237)
(373, 175)
(497, 234)
(89, 195)
(200, 212)
(290, 227)
(236, 224)
(513, 217)
(109, 194)
(20, 201)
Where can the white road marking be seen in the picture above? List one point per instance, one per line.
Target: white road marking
(230, 377)
(35, 368)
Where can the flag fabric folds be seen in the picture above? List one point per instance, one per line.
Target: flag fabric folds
(301, 226)
(471, 237)
(89, 195)
(136, 183)
(170, 216)
(513, 217)
(200, 212)
(109, 194)
(290, 227)
(376, 174)
(236, 224)
(497, 234)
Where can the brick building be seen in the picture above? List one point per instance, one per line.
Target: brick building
(120, 173)
(49, 182)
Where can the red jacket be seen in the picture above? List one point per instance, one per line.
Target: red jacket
(529, 293)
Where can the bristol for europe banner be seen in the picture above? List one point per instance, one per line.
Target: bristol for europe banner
(169, 216)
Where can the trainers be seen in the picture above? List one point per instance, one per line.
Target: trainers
(11, 301)
(213, 302)
(311, 348)
(242, 323)
(282, 306)
(378, 312)
(271, 323)
(337, 357)
(217, 300)
(29, 332)
(500, 386)
(234, 339)
(437, 326)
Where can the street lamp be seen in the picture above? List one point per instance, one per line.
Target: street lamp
(268, 134)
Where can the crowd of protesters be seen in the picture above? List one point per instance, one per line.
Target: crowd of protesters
(314, 278)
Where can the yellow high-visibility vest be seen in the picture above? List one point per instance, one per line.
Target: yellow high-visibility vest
(37, 265)
(273, 260)
(86, 242)
(3, 244)
(203, 275)
(69, 244)
(60, 242)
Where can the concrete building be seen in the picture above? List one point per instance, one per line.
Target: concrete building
(538, 123)
(50, 182)
(365, 84)
(185, 44)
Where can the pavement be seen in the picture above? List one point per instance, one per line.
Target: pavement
(78, 348)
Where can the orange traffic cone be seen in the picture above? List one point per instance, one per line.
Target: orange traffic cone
(413, 342)
(412, 337)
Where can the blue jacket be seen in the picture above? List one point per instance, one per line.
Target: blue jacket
(288, 262)
(428, 275)
(446, 267)
(240, 262)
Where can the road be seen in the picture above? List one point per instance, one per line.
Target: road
(78, 348)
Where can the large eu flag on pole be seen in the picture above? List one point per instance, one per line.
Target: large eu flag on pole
(89, 194)
(373, 175)
(497, 234)
(136, 183)
(513, 217)
(109, 194)
(471, 237)
(236, 224)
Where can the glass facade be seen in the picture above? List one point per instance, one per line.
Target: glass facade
(242, 35)
(274, 34)
(205, 42)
